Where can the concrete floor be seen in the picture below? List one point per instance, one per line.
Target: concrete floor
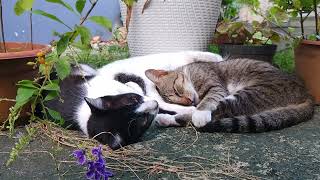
(292, 153)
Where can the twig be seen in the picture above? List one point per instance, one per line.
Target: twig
(88, 13)
(31, 29)
(316, 16)
(2, 28)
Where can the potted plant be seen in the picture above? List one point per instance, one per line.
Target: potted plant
(13, 59)
(241, 39)
(169, 25)
(307, 52)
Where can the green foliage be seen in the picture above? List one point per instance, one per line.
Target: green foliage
(102, 21)
(214, 48)
(23, 5)
(238, 32)
(21, 144)
(50, 16)
(284, 59)
(296, 8)
(64, 4)
(63, 43)
(129, 3)
(99, 58)
(80, 4)
(32, 92)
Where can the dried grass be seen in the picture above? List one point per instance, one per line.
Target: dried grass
(144, 159)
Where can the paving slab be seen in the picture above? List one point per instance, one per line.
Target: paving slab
(291, 153)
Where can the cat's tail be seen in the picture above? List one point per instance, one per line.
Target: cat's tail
(273, 119)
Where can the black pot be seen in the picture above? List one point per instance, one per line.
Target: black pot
(258, 52)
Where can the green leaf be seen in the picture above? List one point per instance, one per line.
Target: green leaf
(51, 95)
(63, 68)
(102, 21)
(53, 86)
(80, 4)
(27, 83)
(56, 116)
(85, 35)
(66, 5)
(297, 4)
(24, 95)
(63, 44)
(22, 5)
(50, 16)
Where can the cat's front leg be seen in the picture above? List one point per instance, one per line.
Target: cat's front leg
(203, 114)
(176, 118)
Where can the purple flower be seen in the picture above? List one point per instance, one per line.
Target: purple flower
(80, 155)
(96, 170)
(97, 151)
(97, 167)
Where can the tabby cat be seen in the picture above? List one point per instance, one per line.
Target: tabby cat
(237, 95)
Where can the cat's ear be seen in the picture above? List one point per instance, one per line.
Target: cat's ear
(97, 104)
(83, 70)
(154, 75)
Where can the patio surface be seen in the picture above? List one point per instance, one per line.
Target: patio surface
(292, 153)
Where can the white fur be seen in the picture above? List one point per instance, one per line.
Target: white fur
(103, 84)
(99, 87)
(84, 70)
(117, 140)
(234, 87)
(231, 97)
(149, 106)
(165, 120)
(164, 61)
(83, 115)
(201, 118)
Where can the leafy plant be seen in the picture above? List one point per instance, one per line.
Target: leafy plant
(32, 92)
(239, 32)
(43, 88)
(297, 8)
(258, 33)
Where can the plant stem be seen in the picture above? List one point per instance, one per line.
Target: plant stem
(31, 29)
(301, 24)
(316, 16)
(2, 28)
(88, 13)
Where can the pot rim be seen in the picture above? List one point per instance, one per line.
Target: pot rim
(310, 42)
(24, 53)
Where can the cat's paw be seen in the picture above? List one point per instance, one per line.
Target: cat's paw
(165, 120)
(201, 118)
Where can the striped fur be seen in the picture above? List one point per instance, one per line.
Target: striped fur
(243, 95)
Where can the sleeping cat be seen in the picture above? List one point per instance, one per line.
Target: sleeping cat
(113, 116)
(132, 73)
(237, 95)
(112, 104)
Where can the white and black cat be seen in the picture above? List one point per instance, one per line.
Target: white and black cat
(113, 116)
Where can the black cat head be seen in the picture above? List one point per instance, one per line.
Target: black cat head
(121, 119)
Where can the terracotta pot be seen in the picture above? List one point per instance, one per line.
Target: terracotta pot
(262, 52)
(13, 68)
(307, 62)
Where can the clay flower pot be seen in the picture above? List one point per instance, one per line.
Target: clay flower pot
(307, 62)
(13, 68)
